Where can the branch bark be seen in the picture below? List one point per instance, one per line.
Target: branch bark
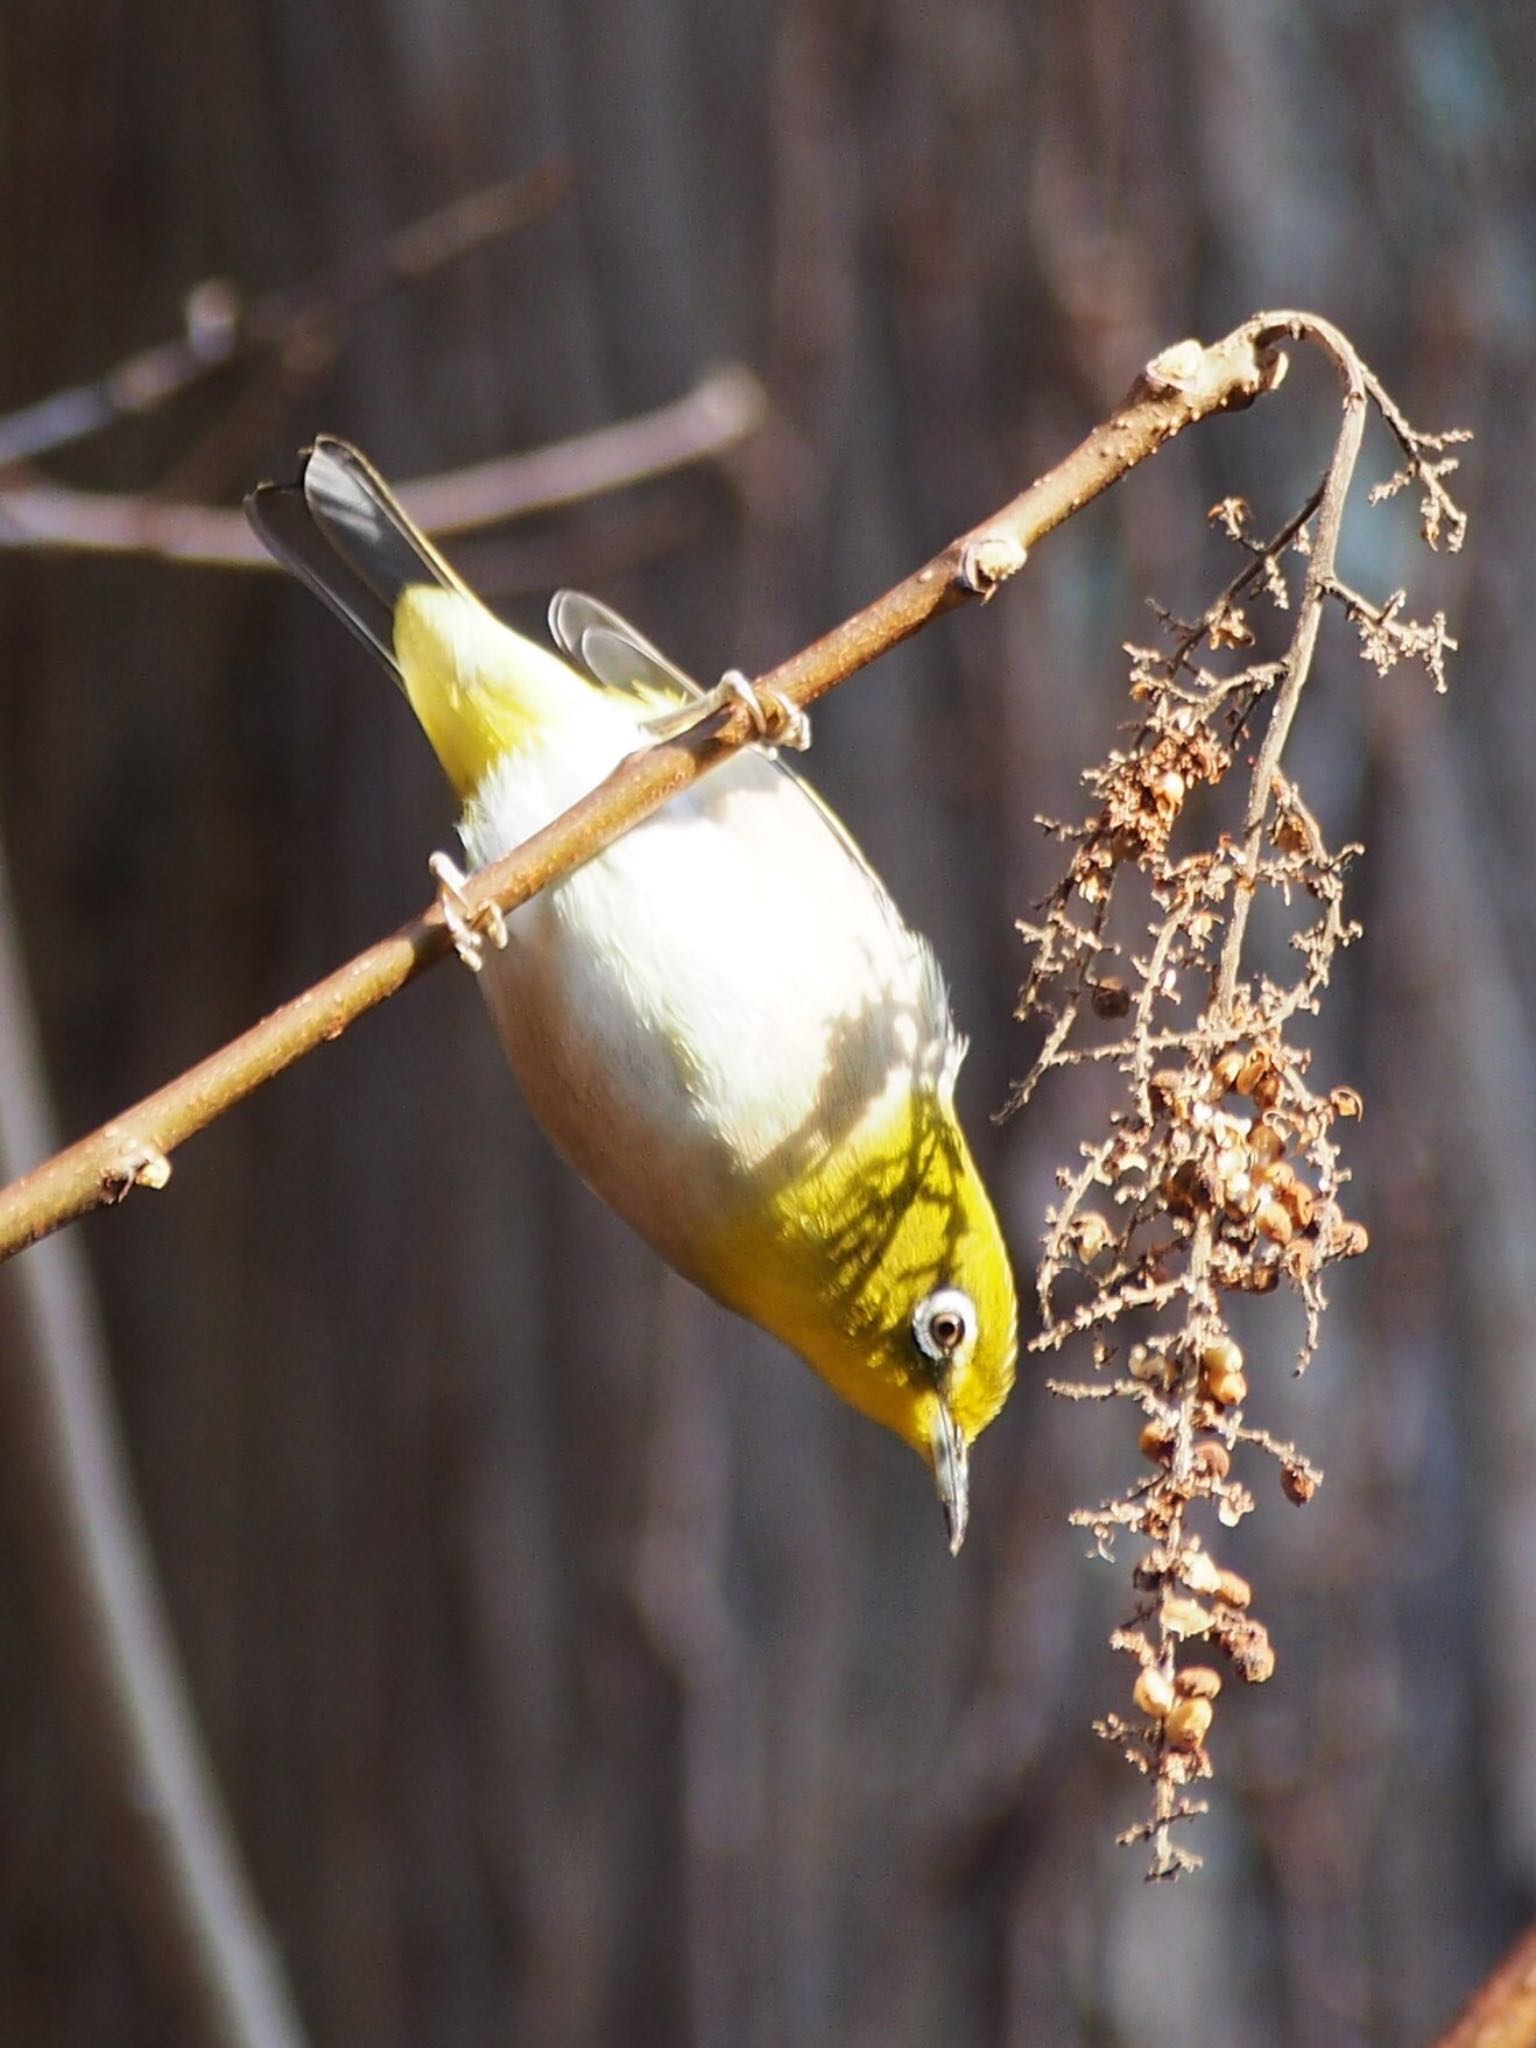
(1183, 385)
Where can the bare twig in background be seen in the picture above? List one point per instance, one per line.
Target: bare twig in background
(721, 411)
(301, 326)
(97, 1599)
(1183, 385)
(1203, 1203)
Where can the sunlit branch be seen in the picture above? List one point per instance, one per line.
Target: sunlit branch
(1185, 384)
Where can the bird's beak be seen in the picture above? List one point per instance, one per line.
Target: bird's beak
(951, 1472)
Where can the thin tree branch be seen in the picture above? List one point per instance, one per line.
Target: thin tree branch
(66, 1475)
(301, 324)
(1298, 660)
(1183, 385)
(723, 409)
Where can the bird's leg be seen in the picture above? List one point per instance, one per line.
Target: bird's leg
(470, 924)
(776, 721)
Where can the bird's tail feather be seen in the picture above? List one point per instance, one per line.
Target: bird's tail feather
(342, 531)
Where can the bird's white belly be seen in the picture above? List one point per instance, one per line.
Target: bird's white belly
(726, 990)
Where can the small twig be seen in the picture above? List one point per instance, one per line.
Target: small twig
(721, 411)
(67, 1479)
(300, 323)
(1298, 658)
(1264, 556)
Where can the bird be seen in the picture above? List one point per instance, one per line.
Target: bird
(722, 1021)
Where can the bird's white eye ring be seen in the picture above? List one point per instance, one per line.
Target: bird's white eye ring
(943, 1324)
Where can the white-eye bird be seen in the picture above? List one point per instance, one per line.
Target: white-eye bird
(722, 1020)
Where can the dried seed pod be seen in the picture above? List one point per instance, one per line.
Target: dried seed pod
(1298, 1200)
(1229, 627)
(1299, 1259)
(1252, 1070)
(1157, 1442)
(1200, 1571)
(1348, 1240)
(1197, 1682)
(1265, 1142)
(1226, 1385)
(1247, 1644)
(1183, 1617)
(1231, 1164)
(1091, 1234)
(1293, 834)
(1221, 1169)
(1244, 1272)
(1181, 1189)
(1153, 1692)
(1346, 1102)
(1212, 1459)
(1189, 1723)
(1299, 1483)
(1233, 1588)
(1226, 1070)
(1166, 1088)
(1267, 1090)
(1273, 1221)
(1222, 1354)
(1142, 1363)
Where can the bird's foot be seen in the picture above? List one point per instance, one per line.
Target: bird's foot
(471, 925)
(776, 721)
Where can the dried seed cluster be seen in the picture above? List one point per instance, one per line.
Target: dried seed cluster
(1218, 1176)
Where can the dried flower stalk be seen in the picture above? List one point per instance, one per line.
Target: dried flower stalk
(1219, 1175)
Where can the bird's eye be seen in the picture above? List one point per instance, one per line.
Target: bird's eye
(945, 1322)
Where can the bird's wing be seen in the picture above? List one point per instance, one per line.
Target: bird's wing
(614, 653)
(617, 655)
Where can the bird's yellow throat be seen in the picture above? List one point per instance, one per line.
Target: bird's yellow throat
(829, 1250)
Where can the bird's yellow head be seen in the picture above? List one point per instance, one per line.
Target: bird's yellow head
(888, 1274)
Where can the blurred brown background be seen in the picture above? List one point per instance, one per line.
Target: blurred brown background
(577, 1670)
